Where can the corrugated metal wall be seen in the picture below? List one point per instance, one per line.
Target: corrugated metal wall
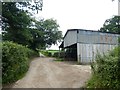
(97, 37)
(91, 43)
(87, 52)
(70, 38)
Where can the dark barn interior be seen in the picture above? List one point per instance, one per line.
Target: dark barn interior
(71, 53)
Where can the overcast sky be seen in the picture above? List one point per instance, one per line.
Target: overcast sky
(78, 14)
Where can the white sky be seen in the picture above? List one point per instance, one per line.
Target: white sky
(78, 14)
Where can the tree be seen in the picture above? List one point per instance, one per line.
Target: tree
(19, 27)
(15, 24)
(52, 34)
(16, 20)
(34, 5)
(112, 25)
(46, 33)
(38, 39)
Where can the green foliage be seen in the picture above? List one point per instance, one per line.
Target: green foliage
(38, 41)
(29, 5)
(18, 26)
(15, 24)
(46, 53)
(106, 71)
(111, 25)
(53, 53)
(14, 61)
(61, 54)
(0, 37)
(49, 54)
(56, 54)
(49, 32)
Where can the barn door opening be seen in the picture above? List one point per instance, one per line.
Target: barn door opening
(71, 53)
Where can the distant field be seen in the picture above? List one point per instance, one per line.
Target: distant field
(51, 51)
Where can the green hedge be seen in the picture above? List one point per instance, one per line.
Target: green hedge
(106, 71)
(56, 54)
(15, 61)
(60, 54)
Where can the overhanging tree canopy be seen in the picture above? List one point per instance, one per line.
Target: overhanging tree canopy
(18, 26)
(111, 25)
(47, 33)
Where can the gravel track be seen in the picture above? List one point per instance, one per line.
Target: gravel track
(47, 73)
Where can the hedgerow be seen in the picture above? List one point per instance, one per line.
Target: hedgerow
(106, 71)
(15, 61)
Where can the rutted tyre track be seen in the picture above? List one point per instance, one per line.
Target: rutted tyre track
(47, 73)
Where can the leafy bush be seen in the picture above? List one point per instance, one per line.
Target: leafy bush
(49, 54)
(106, 71)
(59, 54)
(56, 54)
(14, 61)
(62, 54)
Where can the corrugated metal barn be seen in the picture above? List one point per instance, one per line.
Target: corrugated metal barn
(88, 43)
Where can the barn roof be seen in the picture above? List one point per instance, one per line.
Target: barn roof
(86, 30)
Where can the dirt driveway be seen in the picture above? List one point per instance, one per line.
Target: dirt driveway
(47, 73)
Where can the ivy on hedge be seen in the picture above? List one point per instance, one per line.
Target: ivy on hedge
(15, 61)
